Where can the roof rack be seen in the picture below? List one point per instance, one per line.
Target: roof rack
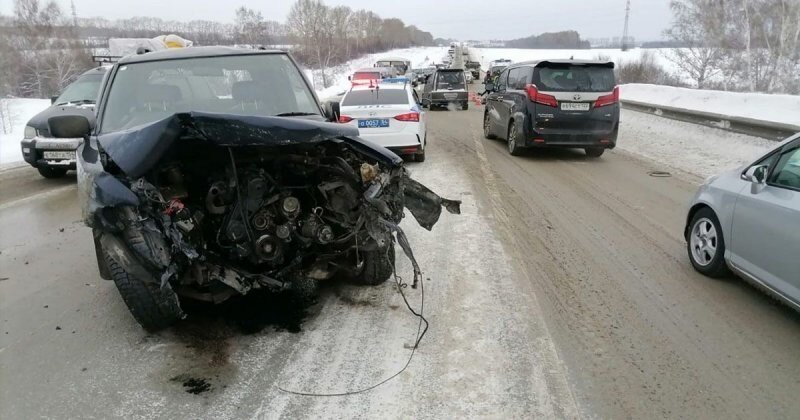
(101, 59)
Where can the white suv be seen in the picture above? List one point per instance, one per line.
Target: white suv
(387, 112)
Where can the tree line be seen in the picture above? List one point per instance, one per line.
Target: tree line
(42, 48)
(742, 45)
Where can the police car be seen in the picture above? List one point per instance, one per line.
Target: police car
(387, 112)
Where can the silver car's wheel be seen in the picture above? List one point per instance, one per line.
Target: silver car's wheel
(703, 240)
(706, 244)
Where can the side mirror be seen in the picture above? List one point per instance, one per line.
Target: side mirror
(757, 175)
(333, 111)
(488, 86)
(53, 99)
(69, 126)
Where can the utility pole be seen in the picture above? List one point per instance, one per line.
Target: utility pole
(625, 31)
(74, 14)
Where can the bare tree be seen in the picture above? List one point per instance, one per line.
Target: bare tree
(695, 26)
(250, 27)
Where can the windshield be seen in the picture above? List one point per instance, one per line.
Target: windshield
(375, 97)
(82, 90)
(450, 79)
(574, 78)
(262, 84)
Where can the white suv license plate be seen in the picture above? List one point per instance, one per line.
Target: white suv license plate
(59, 155)
(574, 106)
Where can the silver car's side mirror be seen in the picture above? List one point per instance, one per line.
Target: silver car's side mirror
(757, 175)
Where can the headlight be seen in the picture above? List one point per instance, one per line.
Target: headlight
(30, 132)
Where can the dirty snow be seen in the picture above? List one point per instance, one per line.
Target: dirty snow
(692, 148)
(760, 106)
(14, 113)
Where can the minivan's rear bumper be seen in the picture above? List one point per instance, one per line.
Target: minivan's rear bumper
(444, 97)
(605, 140)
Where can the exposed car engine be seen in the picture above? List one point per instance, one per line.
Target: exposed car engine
(178, 205)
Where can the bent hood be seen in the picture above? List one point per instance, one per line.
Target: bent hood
(137, 150)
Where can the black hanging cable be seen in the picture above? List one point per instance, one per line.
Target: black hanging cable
(403, 242)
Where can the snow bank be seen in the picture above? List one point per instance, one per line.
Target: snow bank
(420, 57)
(759, 106)
(14, 113)
(691, 148)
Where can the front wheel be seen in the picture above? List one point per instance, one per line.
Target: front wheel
(51, 172)
(487, 128)
(378, 266)
(152, 306)
(594, 151)
(706, 245)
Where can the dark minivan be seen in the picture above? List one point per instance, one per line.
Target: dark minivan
(554, 103)
(445, 87)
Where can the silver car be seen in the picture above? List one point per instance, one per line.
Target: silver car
(748, 221)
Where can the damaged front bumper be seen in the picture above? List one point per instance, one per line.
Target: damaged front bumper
(214, 205)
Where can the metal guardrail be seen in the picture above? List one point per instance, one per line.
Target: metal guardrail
(753, 127)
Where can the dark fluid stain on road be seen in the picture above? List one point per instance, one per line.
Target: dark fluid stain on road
(193, 385)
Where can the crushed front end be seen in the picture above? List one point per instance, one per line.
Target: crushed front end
(208, 206)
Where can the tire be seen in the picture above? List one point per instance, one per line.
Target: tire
(465, 106)
(487, 127)
(705, 232)
(152, 307)
(513, 135)
(420, 157)
(594, 151)
(378, 266)
(50, 172)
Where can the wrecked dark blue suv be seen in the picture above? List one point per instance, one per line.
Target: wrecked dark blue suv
(213, 171)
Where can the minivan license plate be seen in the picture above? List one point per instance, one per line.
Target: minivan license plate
(373, 123)
(574, 106)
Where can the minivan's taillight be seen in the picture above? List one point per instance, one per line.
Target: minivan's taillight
(410, 117)
(540, 98)
(345, 119)
(608, 99)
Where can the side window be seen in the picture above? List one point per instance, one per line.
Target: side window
(502, 81)
(787, 170)
(512, 78)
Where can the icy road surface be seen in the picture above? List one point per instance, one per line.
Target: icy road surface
(562, 291)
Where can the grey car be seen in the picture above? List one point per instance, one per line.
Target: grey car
(748, 221)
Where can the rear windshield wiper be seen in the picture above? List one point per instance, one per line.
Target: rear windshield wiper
(295, 114)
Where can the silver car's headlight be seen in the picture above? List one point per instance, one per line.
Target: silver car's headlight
(30, 132)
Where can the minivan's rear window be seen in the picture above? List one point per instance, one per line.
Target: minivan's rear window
(574, 78)
(376, 97)
(450, 79)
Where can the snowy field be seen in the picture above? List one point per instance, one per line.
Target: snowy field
(759, 106)
(14, 113)
(486, 55)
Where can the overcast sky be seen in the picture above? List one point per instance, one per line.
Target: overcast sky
(460, 19)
